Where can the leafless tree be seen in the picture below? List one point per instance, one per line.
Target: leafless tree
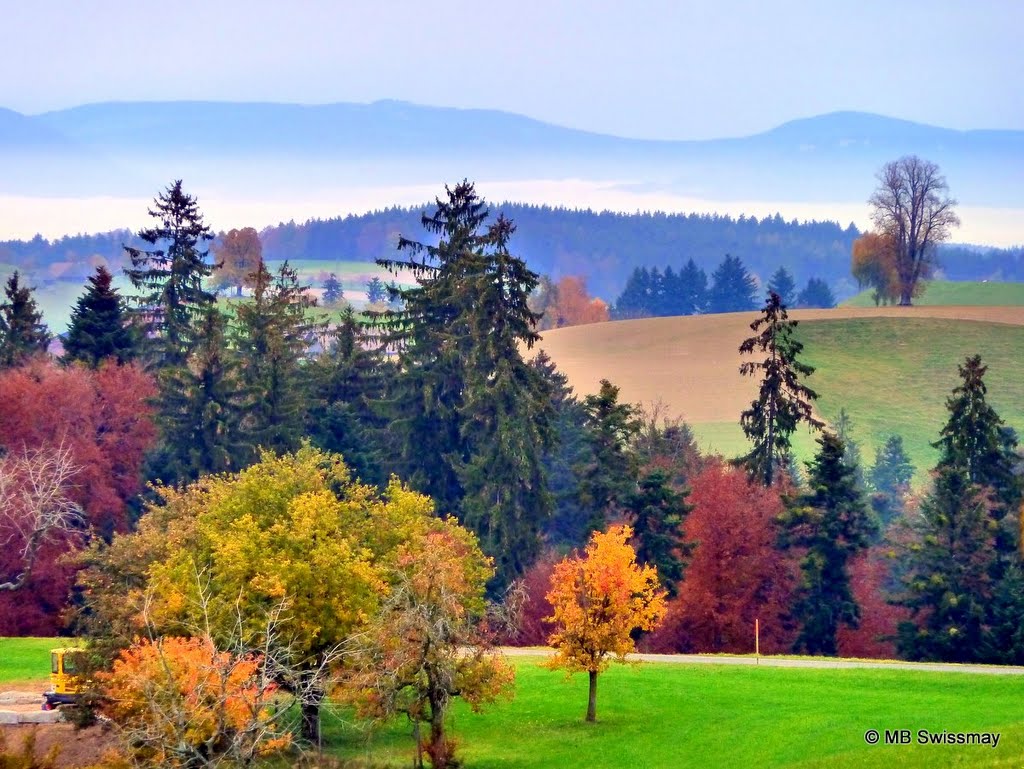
(913, 207)
(34, 505)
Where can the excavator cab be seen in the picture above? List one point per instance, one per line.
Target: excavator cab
(66, 684)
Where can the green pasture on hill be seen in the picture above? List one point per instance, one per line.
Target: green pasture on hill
(893, 375)
(949, 292)
(666, 715)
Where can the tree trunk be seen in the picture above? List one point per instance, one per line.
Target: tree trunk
(592, 702)
(311, 721)
(439, 750)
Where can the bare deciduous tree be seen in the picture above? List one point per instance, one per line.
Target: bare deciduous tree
(34, 505)
(912, 206)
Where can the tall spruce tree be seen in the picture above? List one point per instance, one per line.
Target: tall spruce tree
(22, 331)
(890, 478)
(975, 440)
(200, 409)
(432, 341)
(783, 400)
(851, 449)
(273, 334)
(657, 513)
(832, 524)
(99, 328)
(948, 577)
(782, 283)
(607, 473)
(733, 289)
(568, 525)
(693, 289)
(506, 415)
(170, 276)
(346, 379)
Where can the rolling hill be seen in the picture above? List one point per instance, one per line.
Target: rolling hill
(230, 148)
(890, 368)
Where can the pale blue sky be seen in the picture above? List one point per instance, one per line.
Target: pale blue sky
(656, 69)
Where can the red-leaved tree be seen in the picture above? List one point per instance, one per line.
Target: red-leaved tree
(737, 574)
(104, 422)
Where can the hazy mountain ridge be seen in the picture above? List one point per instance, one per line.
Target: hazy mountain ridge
(237, 147)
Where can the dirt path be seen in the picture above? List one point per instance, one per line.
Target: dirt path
(785, 662)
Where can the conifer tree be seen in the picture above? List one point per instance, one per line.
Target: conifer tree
(346, 379)
(975, 440)
(657, 513)
(333, 292)
(782, 283)
(693, 289)
(506, 414)
(851, 449)
(568, 524)
(816, 294)
(22, 331)
(430, 335)
(948, 584)
(733, 289)
(890, 477)
(170, 276)
(832, 524)
(272, 337)
(607, 475)
(783, 401)
(99, 328)
(200, 409)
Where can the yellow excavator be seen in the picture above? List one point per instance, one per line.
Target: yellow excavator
(66, 685)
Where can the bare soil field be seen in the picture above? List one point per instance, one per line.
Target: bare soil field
(691, 363)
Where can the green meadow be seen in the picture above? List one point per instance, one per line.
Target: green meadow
(948, 292)
(893, 375)
(667, 715)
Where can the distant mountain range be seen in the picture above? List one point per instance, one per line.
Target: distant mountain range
(136, 148)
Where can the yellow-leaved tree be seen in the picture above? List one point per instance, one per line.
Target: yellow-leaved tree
(290, 558)
(599, 599)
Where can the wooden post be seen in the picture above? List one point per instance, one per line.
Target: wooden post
(757, 641)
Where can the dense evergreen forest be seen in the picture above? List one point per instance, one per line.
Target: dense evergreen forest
(604, 247)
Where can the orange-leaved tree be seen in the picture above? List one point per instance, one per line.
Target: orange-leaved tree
(428, 644)
(599, 600)
(180, 702)
(873, 263)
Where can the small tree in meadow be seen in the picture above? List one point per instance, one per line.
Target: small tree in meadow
(599, 600)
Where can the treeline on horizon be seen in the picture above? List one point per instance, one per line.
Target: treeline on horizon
(604, 247)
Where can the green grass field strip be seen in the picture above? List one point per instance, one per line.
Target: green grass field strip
(947, 292)
(660, 715)
(28, 659)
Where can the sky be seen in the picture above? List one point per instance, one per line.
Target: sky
(655, 69)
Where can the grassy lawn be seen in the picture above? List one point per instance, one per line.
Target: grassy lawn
(666, 715)
(661, 715)
(894, 375)
(27, 659)
(948, 292)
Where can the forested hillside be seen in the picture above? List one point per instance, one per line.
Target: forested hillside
(604, 247)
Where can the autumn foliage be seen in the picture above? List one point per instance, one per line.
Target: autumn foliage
(873, 264)
(427, 645)
(573, 306)
(736, 575)
(104, 419)
(600, 599)
(179, 702)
